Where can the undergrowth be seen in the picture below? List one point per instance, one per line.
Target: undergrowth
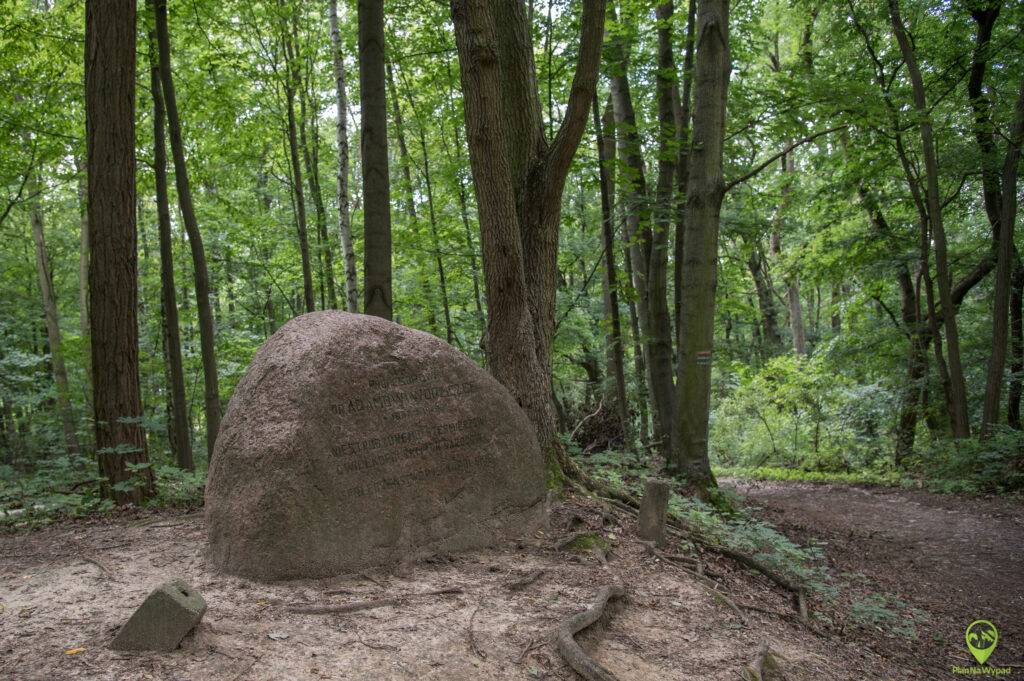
(68, 486)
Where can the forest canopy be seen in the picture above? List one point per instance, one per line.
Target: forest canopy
(759, 237)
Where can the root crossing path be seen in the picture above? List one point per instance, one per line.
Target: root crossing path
(911, 564)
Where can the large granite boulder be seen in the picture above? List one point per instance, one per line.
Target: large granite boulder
(352, 441)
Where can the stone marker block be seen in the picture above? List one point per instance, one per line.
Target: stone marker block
(653, 509)
(172, 610)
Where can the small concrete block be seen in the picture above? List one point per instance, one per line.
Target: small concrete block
(653, 509)
(172, 610)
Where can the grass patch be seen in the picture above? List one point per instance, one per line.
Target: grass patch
(889, 479)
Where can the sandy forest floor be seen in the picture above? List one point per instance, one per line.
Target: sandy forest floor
(71, 585)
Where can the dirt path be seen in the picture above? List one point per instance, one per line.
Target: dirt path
(956, 559)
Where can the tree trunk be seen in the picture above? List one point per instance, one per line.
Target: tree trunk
(1004, 263)
(60, 373)
(195, 240)
(376, 181)
(291, 80)
(765, 300)
(616, 358)
(683, 158)
(641, 240)
(178, 434)
(344, 219)
(705, 191)
(83, 280)
(796, 316)
(311, 159)
(958, 388)
(408, 191)
(519, 180)
(663, 215)
(1013, 397)
(113, 267)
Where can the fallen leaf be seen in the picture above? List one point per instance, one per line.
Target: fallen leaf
(74, 651)
(278, 636)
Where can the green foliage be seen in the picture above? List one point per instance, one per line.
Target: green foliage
(974, 466)
(797, 412)
(887, 614)
(865, 477)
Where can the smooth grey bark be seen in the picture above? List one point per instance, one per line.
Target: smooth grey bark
(377, 295)
(341, 131)
(705, 191)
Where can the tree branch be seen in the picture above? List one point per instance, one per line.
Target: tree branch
(584, 85)
(775, 157)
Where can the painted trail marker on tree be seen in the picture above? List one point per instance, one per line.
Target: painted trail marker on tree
(353, 441)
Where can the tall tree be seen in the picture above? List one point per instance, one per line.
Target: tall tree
(292, 82)
(178, 432)
(207, 339)
(646, 252)
(53, 336)
(705, 191)
(344, 218)
(1004, 265)
(519, 178)
(377, 298)
(113, 265)
(958, 388)
(616, 356)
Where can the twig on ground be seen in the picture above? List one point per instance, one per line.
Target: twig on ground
(531, 645)
(472, 639)
(103, 568)
(356, 606)
(570, 651)
(370, 578)
(519, 584)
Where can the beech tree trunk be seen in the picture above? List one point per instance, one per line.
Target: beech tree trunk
(705, 191)
(519, 178)
(178, 434)
(683, 158)
(344, 218)
(958, 388)
(207, 339)
(616, 358)
(377, 299)
(113, 265)
(83, 279)
(53, 337)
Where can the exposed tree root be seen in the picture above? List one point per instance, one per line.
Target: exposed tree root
(356, 606)
(570, 651)
(627, 503)
(764, 667)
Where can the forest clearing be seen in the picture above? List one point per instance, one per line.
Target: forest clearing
(511, 339)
